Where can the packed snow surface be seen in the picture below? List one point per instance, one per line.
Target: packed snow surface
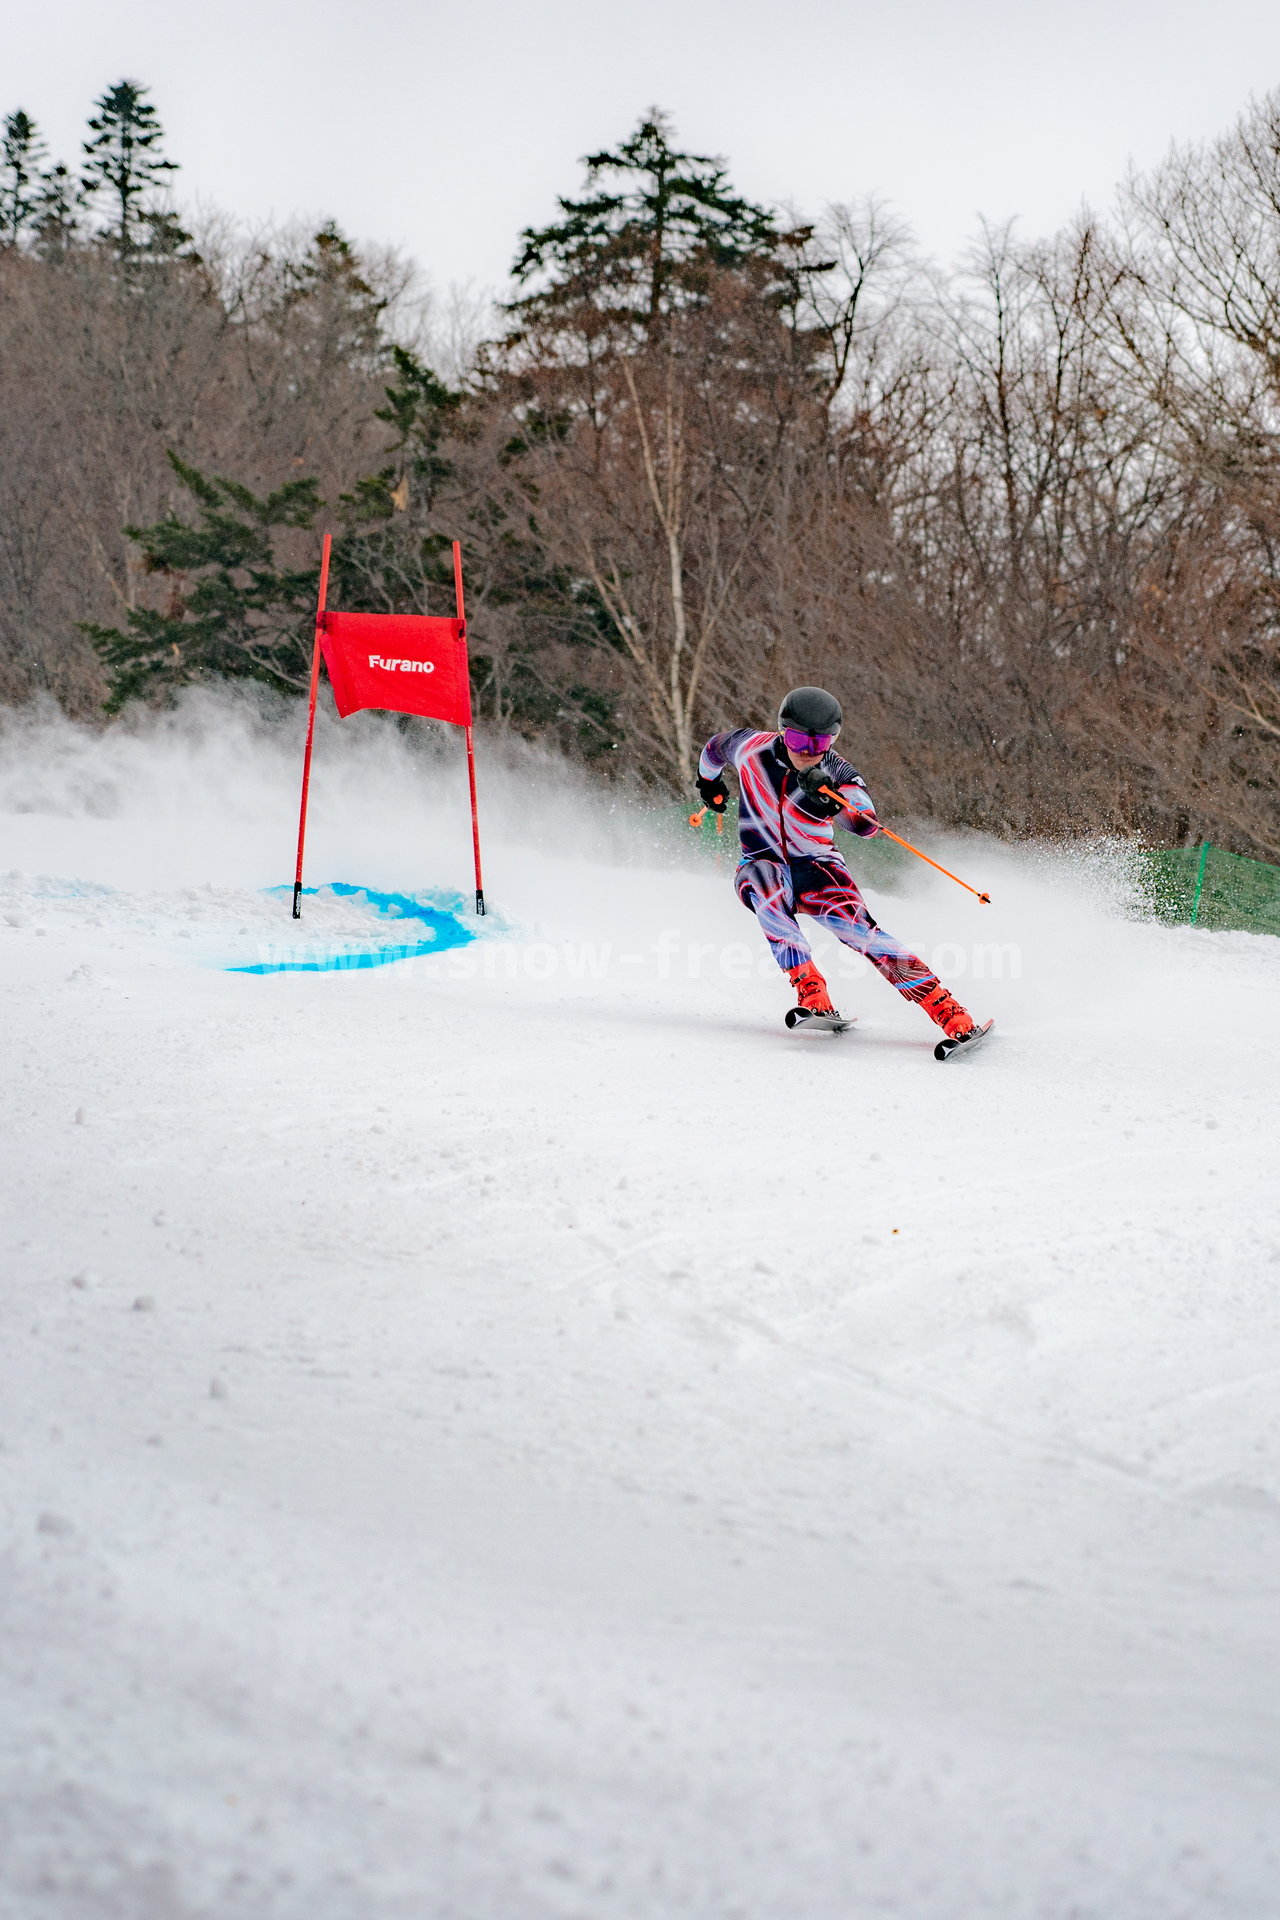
(514, 1433)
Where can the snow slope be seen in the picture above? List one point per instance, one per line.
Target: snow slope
(515, 1433)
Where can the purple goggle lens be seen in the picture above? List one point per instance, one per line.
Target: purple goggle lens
(807, 742)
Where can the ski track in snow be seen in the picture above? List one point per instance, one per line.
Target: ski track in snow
(517, 1434)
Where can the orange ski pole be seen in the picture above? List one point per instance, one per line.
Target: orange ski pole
(696, 819)
(984, 897)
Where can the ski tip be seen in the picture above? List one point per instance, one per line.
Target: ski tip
(946, 1048)
(800, 1022)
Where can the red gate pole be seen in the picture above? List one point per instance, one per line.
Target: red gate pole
(311, 727)
(471, 752)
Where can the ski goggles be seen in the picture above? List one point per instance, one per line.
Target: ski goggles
(807, 742)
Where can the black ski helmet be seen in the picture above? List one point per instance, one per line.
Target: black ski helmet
(810, 710)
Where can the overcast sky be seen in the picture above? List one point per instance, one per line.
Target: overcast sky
(446, 128)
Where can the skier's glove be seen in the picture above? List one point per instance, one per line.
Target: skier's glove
(714, 793)
(813, 779)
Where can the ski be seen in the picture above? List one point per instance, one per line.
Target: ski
(966, 1044)
(800, 1021)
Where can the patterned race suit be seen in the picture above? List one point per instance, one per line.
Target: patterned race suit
(789, 861)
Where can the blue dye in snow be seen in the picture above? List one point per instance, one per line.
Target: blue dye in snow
(438, 915)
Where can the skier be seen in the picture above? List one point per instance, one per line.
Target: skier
(789, 864)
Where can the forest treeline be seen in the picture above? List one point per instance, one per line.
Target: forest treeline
(1022, 518)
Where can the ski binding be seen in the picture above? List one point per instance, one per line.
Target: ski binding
(965, 1044)
(801, 1022)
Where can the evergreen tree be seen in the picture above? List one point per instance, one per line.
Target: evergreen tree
(652, 219)
(123, 163)
(57, 214)
(421, 408)
(234, 611)
(21, 185)
(341, 311)
(245, 616)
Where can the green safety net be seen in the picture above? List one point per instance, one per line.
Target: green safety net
(1207, 887)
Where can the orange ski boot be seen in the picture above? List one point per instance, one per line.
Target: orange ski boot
(811, 989)
(947, 1013)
